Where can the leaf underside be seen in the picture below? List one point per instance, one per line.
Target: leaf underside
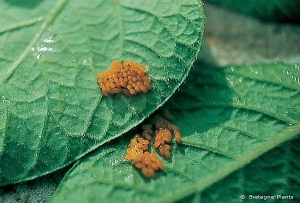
(52, 111)
(227, 117)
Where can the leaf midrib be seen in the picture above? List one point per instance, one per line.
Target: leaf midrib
(286, 134)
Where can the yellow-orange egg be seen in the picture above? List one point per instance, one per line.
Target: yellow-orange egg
(177, 136)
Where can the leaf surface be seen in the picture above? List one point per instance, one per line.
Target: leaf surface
(273, 177)
(52, 111)
(227, 117)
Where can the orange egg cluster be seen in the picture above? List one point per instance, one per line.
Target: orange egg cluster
(142, 159)
(163, 136)
(149, 163)
(138, 152)
(129, 78)
(137, 147)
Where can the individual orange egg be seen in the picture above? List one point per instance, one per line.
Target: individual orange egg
(162, 141)
(173, 127)
(161, 150)
(144, 69)
(145, 172)
(112, 85)
(148, 86)
(160, 164)
(148, 136)
(140, 78)
(167, 135)
(177, 136)
(139, 165)
(146, 79)
(137, 88)
(123, 83)
(167, 154)
(104, 91)
(167, 147)
(132, 91)
(151, 172)
(154, 166)
(158, 136)
(143, 88)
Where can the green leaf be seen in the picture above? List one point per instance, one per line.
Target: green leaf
(275, 10)
(52, 111)
(227, 117)
(276, 174)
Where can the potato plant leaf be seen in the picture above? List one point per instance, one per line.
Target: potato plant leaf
(51, 110)
(228, 117)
